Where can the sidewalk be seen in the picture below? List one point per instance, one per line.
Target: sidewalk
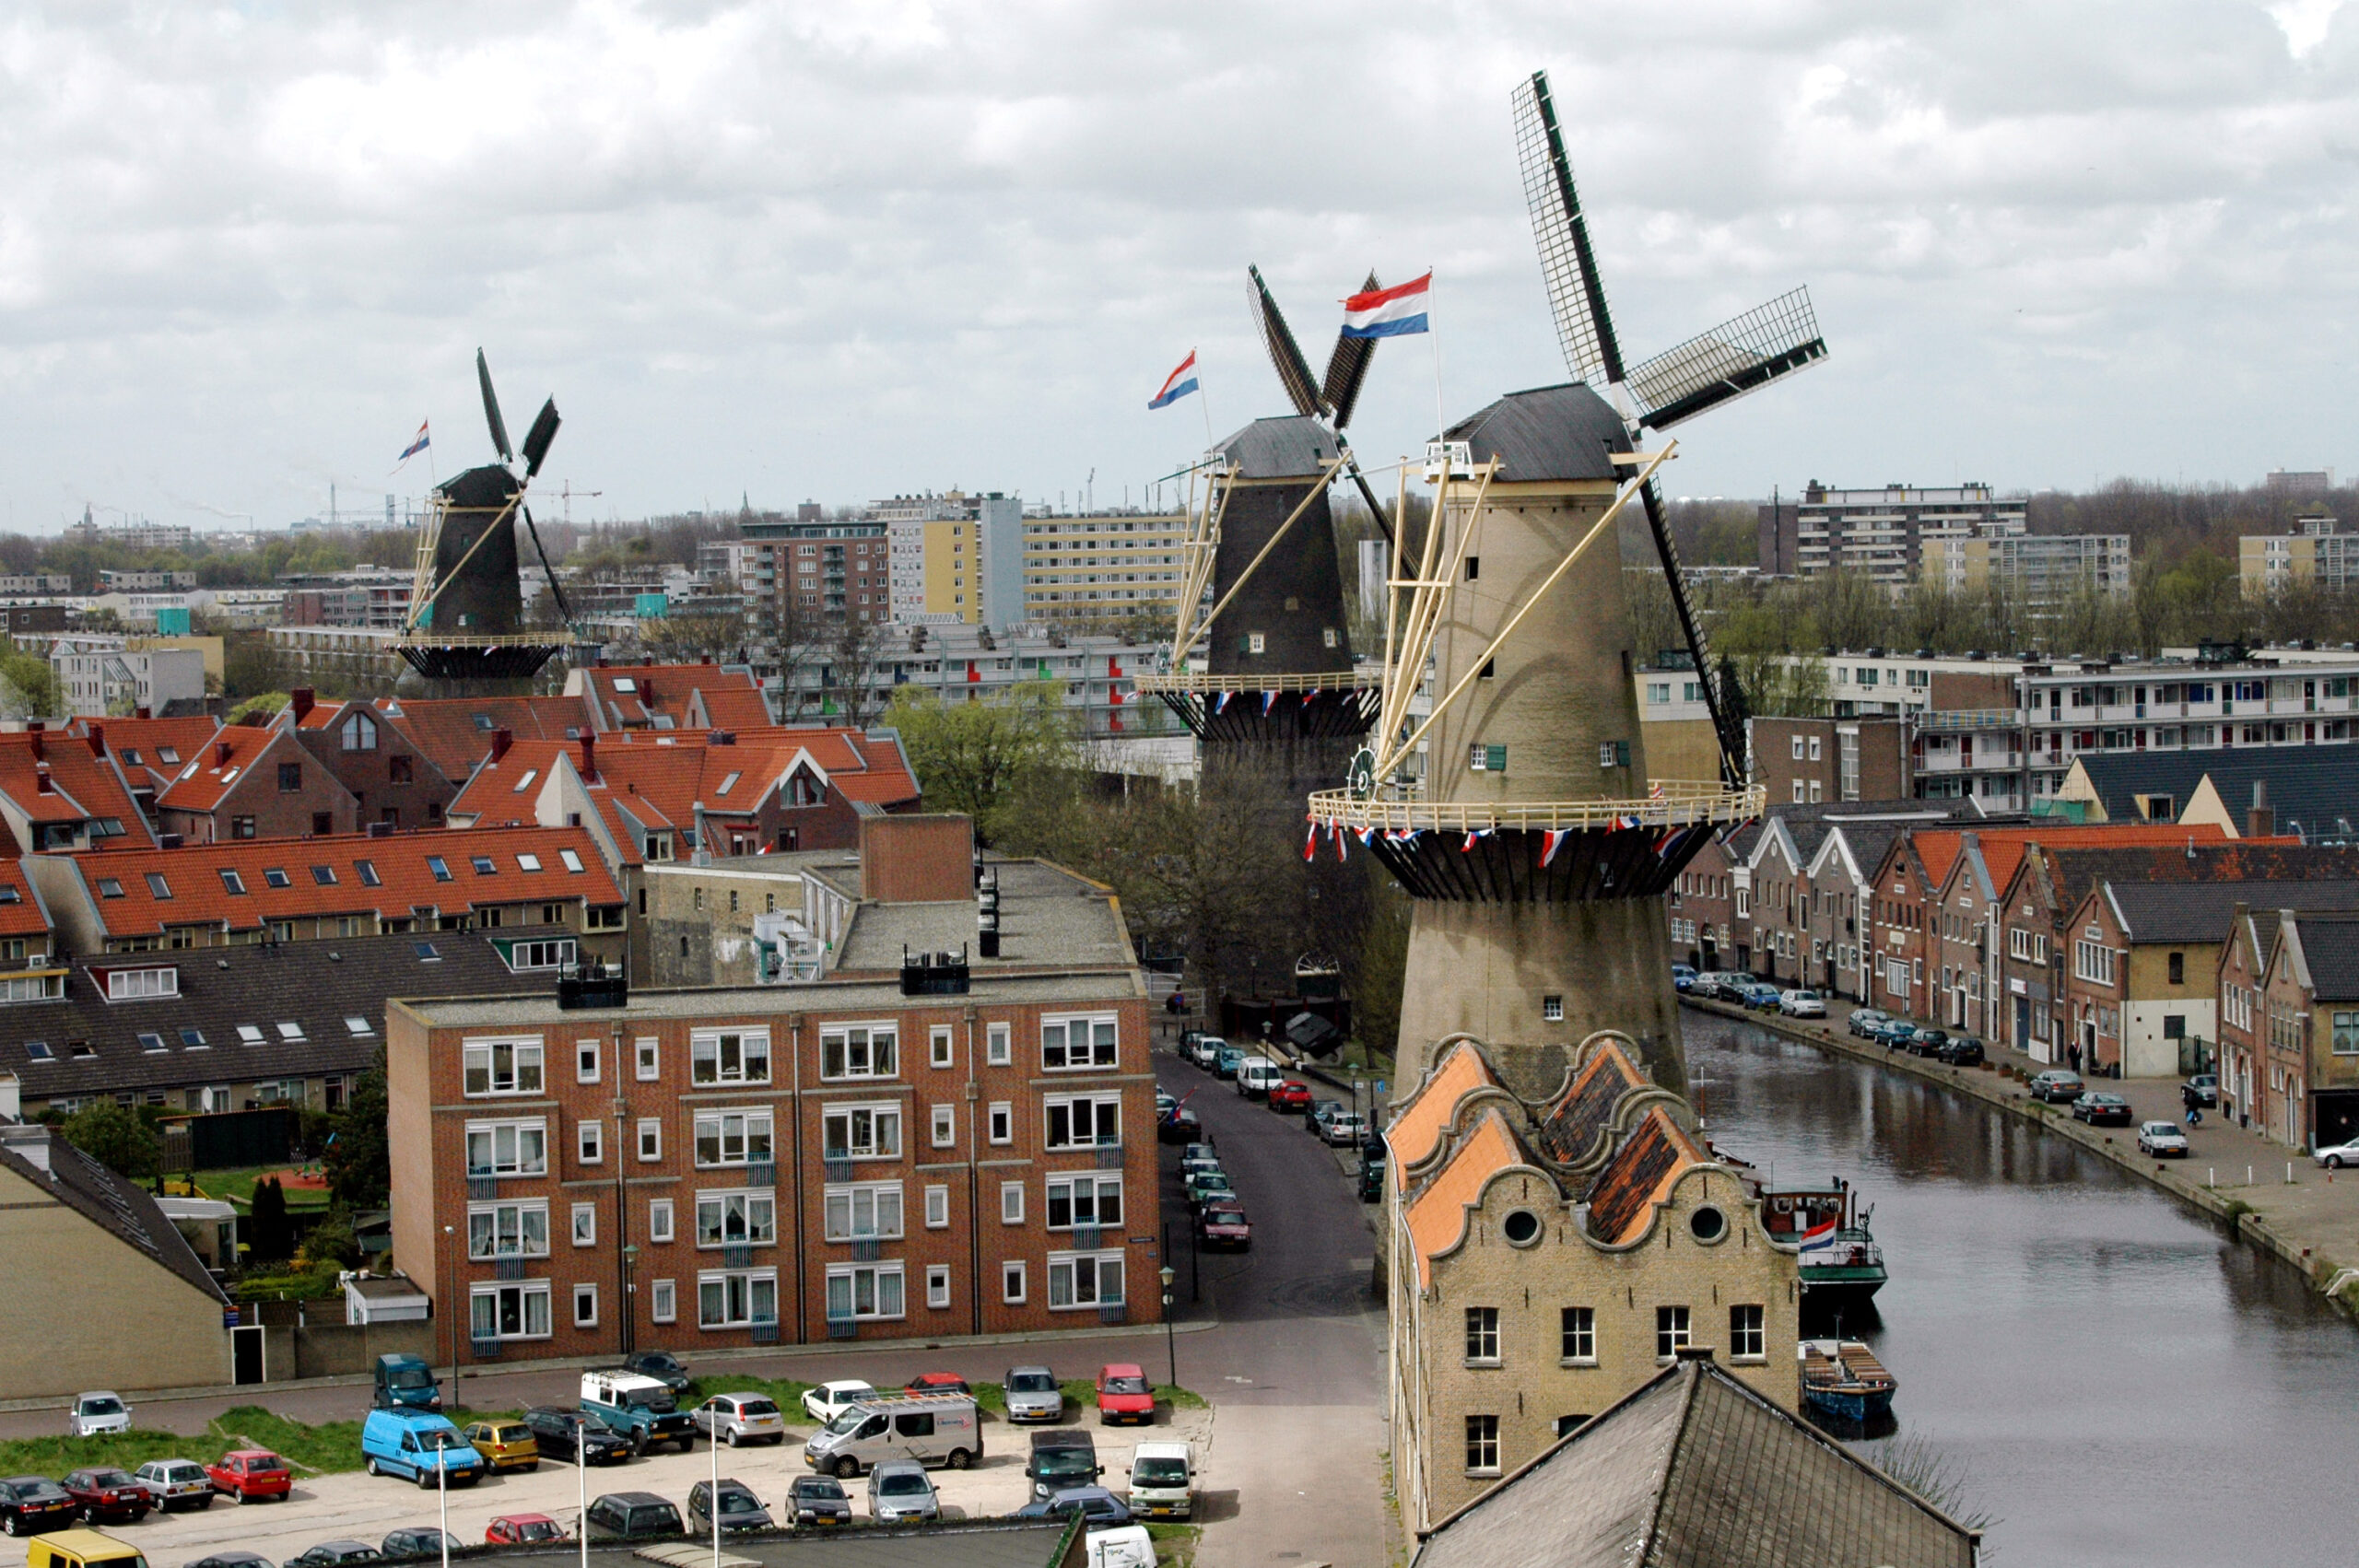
(2234, 1174)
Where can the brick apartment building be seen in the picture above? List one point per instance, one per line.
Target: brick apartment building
(953, 1148)
(2306, 1088)
(1812, 761)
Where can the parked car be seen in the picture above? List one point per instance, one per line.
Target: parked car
(640, 1408)
(1802, 1004)
(2100, 1109)
(1163, 1480)
(1165, 1102)
(1928, 1042)
(1345, 1128)
(829, 1400)
(1032, 1394)
(662, 1365)
(103, 1493)
(329, 1553)
(419, 1445)
(1371, 1180)
(417, 1541)
(1203, 1150)
(1097, 1506)
(1197, 1157)
(505, 1445)
(1179, 1126)
(740, 1509)
(937, 1429)
(1683, 978)
(1964, 1050)
(1226, 1062)
(232, 1560)
(1315, 1114)
(30, 1504)
(1205, 1050)
(1222, 1226)
(899, 1492)
(556, 1430)
(1864, 1021)
(2056, 1086)
(1203, 1185)
(740, 1418)
(631, 1516)
(817, 1500)
(2334, 1157)
(2163, 1140)
(523, 1529)
(403, 1379)
(250, 1475)
(176, 1483)
(1291, 1097)
(2203, 1089)
(1124, 1395)
(937, 1383)
(96, 1412)
(1067, 1456)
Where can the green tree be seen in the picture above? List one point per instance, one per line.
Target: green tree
(117, 1137)
(358, 1160)
(266, 1229)
(329, 1243)
(32, 684)
(977, 757)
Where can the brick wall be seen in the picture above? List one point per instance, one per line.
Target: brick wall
(925, 858)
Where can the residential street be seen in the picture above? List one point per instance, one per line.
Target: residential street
(1289, 1452)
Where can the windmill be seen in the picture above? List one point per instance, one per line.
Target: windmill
(1740, 355)
(1261, 548)
(466, 612)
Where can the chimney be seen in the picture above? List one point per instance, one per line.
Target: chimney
(501, 741)
(220, 754)
(588, 759)
(43, 784)
(38, 745)
(98, 739)
(647, 660)
(299, 702)
(140, 713)
(2261, 822)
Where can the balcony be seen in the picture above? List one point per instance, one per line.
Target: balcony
(843, 1328)
(1109, 1157)
(483, 1349)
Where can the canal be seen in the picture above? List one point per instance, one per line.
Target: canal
(2115, 1380)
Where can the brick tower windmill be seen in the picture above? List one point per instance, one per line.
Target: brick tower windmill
(1518, 811)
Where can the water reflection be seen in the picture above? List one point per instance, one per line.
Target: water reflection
(2120, 1382)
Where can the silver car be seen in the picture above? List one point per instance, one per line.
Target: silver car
(1345, 1128)
(2161, 1139)
(96, 1412)
(1033, 1395)
(899, 1492)
(176, 1483)
(740, 1418)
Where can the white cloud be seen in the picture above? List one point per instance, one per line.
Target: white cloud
(837, 249)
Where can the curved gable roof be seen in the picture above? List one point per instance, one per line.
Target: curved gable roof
(1417, 1128)
(1437, 1216)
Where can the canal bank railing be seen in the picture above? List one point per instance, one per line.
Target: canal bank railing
(1995, 1087)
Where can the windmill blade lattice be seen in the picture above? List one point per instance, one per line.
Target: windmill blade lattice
(1285, 355)
(1567, 264)
(1739, 356)
(1347, 367)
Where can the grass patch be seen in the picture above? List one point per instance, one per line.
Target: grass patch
(238, 1187)
(1175, 1545)
(1179, 1399)
(327, 1447)
(324, 1450)
(2237, 1210)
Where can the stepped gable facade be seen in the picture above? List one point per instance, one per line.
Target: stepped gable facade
(1550, 1254)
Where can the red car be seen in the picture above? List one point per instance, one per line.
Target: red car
(1293, 1097)
(1224, 1226)
(524, 1529)
(104, 1493)
(938, 1382)
(1124, 1395)
(250, 1475)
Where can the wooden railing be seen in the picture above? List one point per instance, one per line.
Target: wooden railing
(1367, 677)
(1681, 804)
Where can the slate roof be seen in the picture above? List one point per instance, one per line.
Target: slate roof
(1569, 1127)
(1559, 432)
(1696, 1470)
(138, 1045)
(2199, 911)
(1640, 1175)
(2317, 787)
(116, 1206)
(2072, 871)
(1287, 447)
(330, 875)
(2328, 945)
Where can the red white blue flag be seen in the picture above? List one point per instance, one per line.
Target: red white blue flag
(1389, 312)
(416, 446)
(1177, 384)
(1551, 840)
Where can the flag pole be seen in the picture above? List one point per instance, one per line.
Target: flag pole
(1441, 420)
(1203, 404)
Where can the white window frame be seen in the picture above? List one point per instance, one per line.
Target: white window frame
(1089, 1271)
(585, 1224)
(752, 1204)
(1679, 1331)
(942, 1046)
(751, 1126)
(999, 1045)
(585, 1061)
(523, 1213)
(535, 1129)
(937, 1286)
(525, 1072)
(1013, 1289)
(880, 1115)
(937, 1207)
(590, 1143)
(659, 1219)
(648, 1051)
(880, 1276)
(747, 1283)
(1101, 1105)
(851, 1052)
(709, 1057)
(1100, 1052)
(651, 1140)
(1102, 1187)
(524, 1291)
(945, 1126)
(663, 1300)
(1758, 1332)
(1583, 1335)
(1011, 1203)
(585, 1294)
(840, 1212)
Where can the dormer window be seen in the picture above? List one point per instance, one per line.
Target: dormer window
(625, 683)
(359, 734)
(135, 985)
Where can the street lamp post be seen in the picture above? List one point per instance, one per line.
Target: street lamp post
(1171, 1345)
(630, 1285)
(451, 1299)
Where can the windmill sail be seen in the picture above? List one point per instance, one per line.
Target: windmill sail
(1566, 263)
(1735, 357)
(1347, 367)
(1285, 355)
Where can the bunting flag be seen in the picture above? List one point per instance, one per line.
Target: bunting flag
(1626, 822)
(1654, 790)
(1479, 833)
(1340, 852)
(1672, 838)
(1551, 840)
(1366, 836)
(1310, 843)
(1220, 702)
(1269, 700)
(1310, 696)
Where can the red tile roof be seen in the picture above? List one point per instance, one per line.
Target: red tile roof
(626, 697)
(228, 757)
(196, 892)
(83, 786)
(454, 734)
(20, 907)
(140, 743)
(2002, 848)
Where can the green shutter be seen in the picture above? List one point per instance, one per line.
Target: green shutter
(1495, 759)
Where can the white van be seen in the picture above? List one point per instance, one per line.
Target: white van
(1208, 1049)
(1257, 1075)
(1163, 1478)
(1124, 1546)
(933, 1428)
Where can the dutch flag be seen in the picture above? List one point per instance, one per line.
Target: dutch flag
(1180, 382)
(1389, 312)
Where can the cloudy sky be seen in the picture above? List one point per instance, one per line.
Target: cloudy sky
(839, 250)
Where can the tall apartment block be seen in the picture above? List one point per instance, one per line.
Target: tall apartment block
(1101, 568)
(2039, 571)
(1880, 533)
(957, 559)
(2313, 553)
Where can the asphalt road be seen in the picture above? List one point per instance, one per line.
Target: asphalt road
(1293, 1367)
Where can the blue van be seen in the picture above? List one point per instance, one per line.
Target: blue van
(415, 1445)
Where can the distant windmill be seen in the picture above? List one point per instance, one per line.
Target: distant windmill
(466, 611)
(1735, 357)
